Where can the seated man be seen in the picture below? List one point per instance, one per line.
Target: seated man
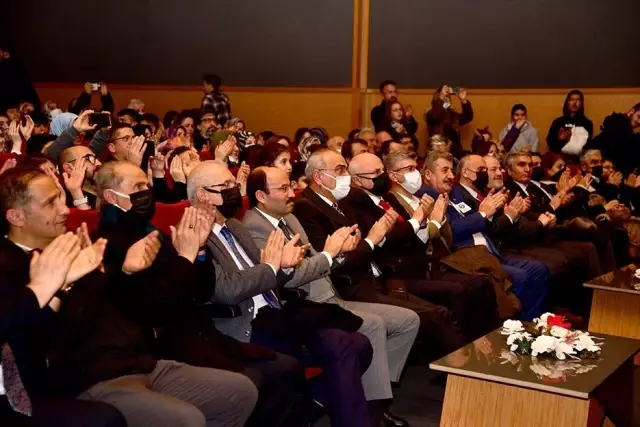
(78, 165)
(248, 279)
(358, 278)
(100, 353)
(608, 184)
(530, 278)
(28, 305)
(184, 331)
(406, 252)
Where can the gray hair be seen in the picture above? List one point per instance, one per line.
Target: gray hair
(587, 154)
(439, 139)
(316, 161)
(395, 157)
(198, 178)
(510, 158)
(433, 157)
(108, 178)
(463, 163)
(365, 130)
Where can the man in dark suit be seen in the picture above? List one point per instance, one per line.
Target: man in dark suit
(358, 278)
(93, 352)
(530, 278)
(28, 303)
(252, 278)
(377, 188)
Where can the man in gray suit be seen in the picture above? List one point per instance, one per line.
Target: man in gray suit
(390, 329)
(247, 276)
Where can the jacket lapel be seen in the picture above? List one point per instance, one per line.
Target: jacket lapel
(244, 239)
(220, 253)
(329, 211)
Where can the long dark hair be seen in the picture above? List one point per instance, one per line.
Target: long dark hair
(565, 108)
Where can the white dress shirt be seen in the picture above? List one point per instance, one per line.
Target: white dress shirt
(376, 199)
(423, 234)
(258, 300)
(374, 267)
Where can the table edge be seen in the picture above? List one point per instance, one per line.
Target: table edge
(610, 289)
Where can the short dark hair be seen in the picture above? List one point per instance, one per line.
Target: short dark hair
(151, 118)
(168, 118)
(138, 130)
(517, 107)
(535, 153)
(116, 127)
(129, 112)
(213, 80)
(257, 181)
(299, 133)
(270, 152)
(354, 133)
(14, 191)
(36, 143)
(39, 119)
(265, 134)
(347, 147)
(385, 83)
(385, 149)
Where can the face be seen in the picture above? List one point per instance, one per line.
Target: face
(45, 214)
(40, 129)
(440, 148)
(187, 123)
(441, 178)
(574, 103)
(493, 151)
(357, 148)
(402, 168)
(382, 137)
(240, 126)
(519, 115)
(396, 111)
(557, 166)
(521, 171)
(475, 165)
(13, 114)
(4, 123)
(189, 158)
(127, 119)
(300, 184)
(279, 200)
(207, 122)
(218, 179)
(607, 169)
(370, 137)
(495, 173)
(26, 108)
(181, 132)
(90, 160)
(369, 170)
(537, 161)
(150, 124)
(335, 166)
(283, 162)
(135, 180)
(335, 143)
(120, 143)
(208, 88)
(635, 119)
(390, 93)
(591, 162)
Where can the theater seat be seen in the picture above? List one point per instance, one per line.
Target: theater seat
(77, 217)
(311, 373)
(243, 209)
(167, 215)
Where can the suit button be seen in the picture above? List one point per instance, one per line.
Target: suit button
(247, 333)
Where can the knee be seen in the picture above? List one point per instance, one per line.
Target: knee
(185, 415)
(245, 393)
(338, 344)
(363, 347)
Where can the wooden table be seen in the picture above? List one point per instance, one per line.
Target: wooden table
(615, 308)
(488, 386)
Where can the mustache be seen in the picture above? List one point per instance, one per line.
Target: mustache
(291, 200)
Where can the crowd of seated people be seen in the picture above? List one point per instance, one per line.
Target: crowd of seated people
(192, 271)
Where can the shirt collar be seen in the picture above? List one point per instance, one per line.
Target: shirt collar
(216, 228)
(411, 200)
(271, 219)
(23, 247)
(471, 191)
(327, 201)
(373, 197)
(523, 186)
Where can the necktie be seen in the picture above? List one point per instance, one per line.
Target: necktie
(336, 207)
(269, 296)
(285, 229)
(386, 206)
(16, 393)
(480, 196)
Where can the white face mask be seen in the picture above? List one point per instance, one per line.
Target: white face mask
(233, 159)
(126, 196)
(343, 186)
(412, 181)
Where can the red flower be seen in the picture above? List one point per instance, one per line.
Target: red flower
(557, 320)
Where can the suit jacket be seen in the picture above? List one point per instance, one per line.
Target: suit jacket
(312, 274)
(353, 277)
(238, 287)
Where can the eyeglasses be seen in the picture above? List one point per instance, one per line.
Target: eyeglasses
(409, 168)
(285, 188)
(226, 185)
(339, 170)
(480, 169)
(88, 157)
(210, 120)
(126, 138)
(376, 173)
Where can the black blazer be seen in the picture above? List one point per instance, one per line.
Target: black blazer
(354, 278)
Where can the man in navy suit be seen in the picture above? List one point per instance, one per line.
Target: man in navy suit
(530, 278)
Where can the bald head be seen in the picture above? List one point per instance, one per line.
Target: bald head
(469, 168)
(207, 174)
(364, 163)
(70, 156)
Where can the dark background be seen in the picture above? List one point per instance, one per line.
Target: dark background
(505, 43)
(247, 42)
(308, 43)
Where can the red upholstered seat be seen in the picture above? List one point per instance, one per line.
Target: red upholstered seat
(77, 217)
(243, 209)
(167, 215)
(574, 168)
(310, 373)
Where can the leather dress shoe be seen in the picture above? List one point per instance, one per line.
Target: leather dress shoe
(390, 420)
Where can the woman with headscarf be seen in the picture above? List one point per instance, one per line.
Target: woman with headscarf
(305, 147)
(442, 119)
(570, 132)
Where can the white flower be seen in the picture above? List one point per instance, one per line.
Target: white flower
(583, 341)
(559, 331)
(511, 339)
(541, 322)
(543, 344)
(511, 326)
(562, 349)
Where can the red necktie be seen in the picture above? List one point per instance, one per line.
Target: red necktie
(386, 206)
(480, 196)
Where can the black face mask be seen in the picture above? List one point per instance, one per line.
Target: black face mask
(596, 171)
(481, 181)
(537, 173)
(231, 202)
(143, 205)
(556, 176)
(381, 185)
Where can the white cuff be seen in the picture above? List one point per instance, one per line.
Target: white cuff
(437, 224)
(273, 268)
(16, 150)
(510, 219)
(329, 257)
(415, 224)
(368, 240)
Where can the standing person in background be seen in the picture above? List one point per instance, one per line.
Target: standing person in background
(83, 102)
(519, 134)
(389, 93)
(570, 132)
(400, 122)
(442, 119)
(215, 99)
(15, 85)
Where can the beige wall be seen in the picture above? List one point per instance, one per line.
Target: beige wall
(283, 110)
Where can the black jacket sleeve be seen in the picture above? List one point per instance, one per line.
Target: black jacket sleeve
(82, 103)
(18, 311)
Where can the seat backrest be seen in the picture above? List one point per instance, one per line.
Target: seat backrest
(77, 217)
(168, 214)
(243, 209)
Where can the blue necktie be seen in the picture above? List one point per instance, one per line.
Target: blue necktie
(269, 296)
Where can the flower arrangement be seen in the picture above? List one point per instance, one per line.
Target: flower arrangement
(550, 336)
